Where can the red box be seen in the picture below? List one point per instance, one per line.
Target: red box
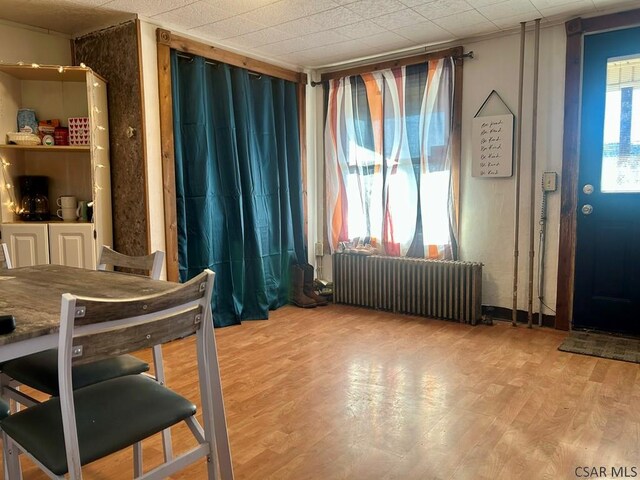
(61, 136)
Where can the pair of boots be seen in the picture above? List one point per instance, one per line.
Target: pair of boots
(302, 292)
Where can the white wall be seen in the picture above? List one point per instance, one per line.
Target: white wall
(155, 201)
(30, 45)
(487, 205)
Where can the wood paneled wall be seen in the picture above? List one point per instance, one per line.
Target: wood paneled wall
(114, 54)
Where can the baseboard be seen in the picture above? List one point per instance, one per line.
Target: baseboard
(504, 313)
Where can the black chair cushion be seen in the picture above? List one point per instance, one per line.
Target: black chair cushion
(40, 370)
(110, 416)
(4, 409)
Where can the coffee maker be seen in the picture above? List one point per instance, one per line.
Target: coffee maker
(34, 203)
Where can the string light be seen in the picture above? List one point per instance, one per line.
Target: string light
(11, 201)
(61, 69)
(35, 65)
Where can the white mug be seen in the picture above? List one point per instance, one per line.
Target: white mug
(67, 214)
(68, 201)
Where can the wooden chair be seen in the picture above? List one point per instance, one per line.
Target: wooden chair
(4, 413)
(5, 259)
(81, 426)
(40, 370)
(150, 264)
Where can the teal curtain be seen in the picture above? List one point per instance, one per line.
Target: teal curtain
(238, 184)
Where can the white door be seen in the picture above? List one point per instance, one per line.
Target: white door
(28, 243)
(72, 244)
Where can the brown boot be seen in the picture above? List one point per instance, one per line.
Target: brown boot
(296, 296)
(308, 290)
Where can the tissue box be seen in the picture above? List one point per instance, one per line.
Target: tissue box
(79, 131)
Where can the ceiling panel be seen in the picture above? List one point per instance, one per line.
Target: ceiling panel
(308, 33)
(442, 8)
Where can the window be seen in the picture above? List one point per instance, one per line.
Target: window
(388, 149)
(621, 142)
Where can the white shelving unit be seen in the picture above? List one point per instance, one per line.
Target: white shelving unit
(82, 171)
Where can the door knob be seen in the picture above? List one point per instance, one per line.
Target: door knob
(587, 209)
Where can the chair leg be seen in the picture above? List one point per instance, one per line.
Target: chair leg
(137, 460)
(12, 469)
(158, 365)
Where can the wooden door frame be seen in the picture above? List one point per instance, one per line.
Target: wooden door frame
(167, 41)
(576, 30)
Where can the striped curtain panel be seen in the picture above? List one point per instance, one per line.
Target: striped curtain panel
(388, 160)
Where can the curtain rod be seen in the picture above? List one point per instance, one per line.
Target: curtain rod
(215, 64)
(454, 57)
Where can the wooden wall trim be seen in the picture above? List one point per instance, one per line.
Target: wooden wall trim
(400, 62)
(168, 157)
(210, 52)
(612, 21)
(570, 164)
(576, 29)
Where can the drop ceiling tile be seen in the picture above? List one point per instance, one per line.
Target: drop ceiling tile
(566, 9)
(359, 30)
(461, 20)
(606, 4)
(229, 27)
(90, 3)
(387, 41)
(301, 43)
(510, 8)
(554, 3)
(336, 17)
(413, 3)
(263, 37)
(424, 32)
(399, 19)
(146, 8)
(442, 8)
(301, 26)
(483, 3)
(236, 7)
(375, 8)
(467, 24)
(514, 21)
(193, 15)
(286, 10)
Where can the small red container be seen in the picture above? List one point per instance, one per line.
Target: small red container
(61, 136)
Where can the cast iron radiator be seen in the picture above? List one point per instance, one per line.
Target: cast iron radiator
(430, 288)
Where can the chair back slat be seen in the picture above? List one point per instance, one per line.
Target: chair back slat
(5, 260)
(92, 347)
(97, 310)
(150, 264)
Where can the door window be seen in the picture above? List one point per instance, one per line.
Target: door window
(621, 143)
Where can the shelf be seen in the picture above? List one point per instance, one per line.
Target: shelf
(45, 73)
(43, 148)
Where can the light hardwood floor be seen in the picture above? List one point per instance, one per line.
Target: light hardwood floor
(346, 393)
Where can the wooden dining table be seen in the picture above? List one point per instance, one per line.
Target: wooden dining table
(33, 296)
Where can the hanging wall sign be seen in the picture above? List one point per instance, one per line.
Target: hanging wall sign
(492, 144)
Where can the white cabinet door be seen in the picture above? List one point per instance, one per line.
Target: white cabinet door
(72, 244)
(28, 243)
